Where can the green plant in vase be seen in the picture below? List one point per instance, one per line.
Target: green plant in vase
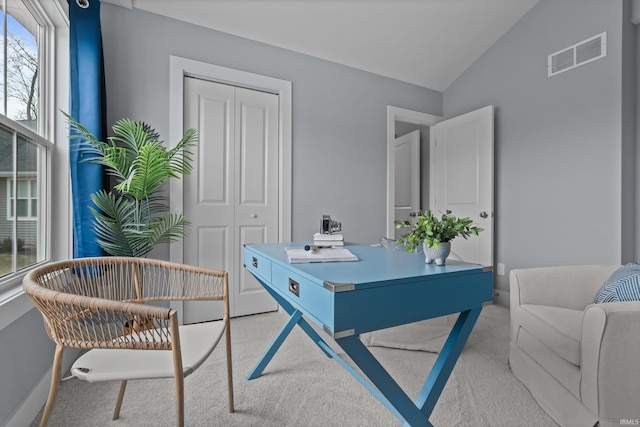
(435, 233)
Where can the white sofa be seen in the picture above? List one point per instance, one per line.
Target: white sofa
(579, 360)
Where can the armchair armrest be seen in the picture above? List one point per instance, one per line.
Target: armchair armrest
(609, 360)
(563, 286)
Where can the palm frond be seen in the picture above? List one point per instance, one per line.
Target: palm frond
(133, 134)
(91, 147)
(168, 228)
(113, 222)
(180, 158)
(131, 221)
(150, 171)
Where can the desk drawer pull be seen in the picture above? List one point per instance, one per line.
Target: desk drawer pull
(254, 262)
(294, 287)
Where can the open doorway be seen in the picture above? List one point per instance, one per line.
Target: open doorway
(456, 172)
(401, 122)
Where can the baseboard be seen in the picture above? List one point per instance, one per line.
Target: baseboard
(35, 400)
(501, 297)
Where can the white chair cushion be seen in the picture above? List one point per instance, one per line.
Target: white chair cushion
(558, 328)
(197, 341)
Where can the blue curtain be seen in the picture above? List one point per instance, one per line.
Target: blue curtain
(87, 102)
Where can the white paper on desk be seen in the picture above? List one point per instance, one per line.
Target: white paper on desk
(299, 255)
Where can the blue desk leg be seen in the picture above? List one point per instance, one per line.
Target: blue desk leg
(275, 345)
(295, 319)
(383, 386)
(446, 361)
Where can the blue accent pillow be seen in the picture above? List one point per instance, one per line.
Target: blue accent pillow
(623, 285)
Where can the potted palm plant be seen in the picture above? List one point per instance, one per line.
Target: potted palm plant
(435, 234)
(133, 217)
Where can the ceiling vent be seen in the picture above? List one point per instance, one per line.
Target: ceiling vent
(579, 54)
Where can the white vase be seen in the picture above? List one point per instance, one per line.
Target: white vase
(439, 254)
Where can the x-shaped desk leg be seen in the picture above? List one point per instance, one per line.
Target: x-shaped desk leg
(383, 386)
(376, 379)
(295, 319)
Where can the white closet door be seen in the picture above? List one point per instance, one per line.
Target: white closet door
(231, 197)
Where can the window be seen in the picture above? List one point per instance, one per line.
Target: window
(26, 199)
(23, 161)
(25, 150)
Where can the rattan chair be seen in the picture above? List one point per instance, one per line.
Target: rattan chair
(98, 304)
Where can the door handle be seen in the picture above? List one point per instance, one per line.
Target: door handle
(413, 214)
(484, 215)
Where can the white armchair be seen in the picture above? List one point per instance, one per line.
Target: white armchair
(579, 360)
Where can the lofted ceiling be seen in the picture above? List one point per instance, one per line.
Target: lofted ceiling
(429, 43)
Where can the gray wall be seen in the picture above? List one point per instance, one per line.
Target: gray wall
(339, 113)
(559, 141)
(26, 353)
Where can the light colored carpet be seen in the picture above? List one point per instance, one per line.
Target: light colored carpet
(302, 387)
(427, 335)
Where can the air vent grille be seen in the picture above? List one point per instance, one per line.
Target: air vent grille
(579, 54)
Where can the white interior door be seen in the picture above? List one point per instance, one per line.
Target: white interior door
(231, 197)
(407, 178)
(462, 179)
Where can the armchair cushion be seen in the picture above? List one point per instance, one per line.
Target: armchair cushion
(623, 285)
(557, 328)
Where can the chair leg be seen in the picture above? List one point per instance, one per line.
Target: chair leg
(177, 365)
(180, 398)
(116, 412)
(53, 388)
(229, 368)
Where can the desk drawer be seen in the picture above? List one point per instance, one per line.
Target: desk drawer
(257, 264)
(312, 298)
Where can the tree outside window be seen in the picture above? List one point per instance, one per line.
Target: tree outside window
(22, 153)
(19, 83)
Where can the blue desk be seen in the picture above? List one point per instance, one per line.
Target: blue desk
(385, 288)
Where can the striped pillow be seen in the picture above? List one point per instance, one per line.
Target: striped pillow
(623, 285)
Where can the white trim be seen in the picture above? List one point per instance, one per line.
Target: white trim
(397, 114)
(180, 67)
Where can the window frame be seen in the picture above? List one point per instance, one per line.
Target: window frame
(31, 182)
(45, 169)
(53, 56)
